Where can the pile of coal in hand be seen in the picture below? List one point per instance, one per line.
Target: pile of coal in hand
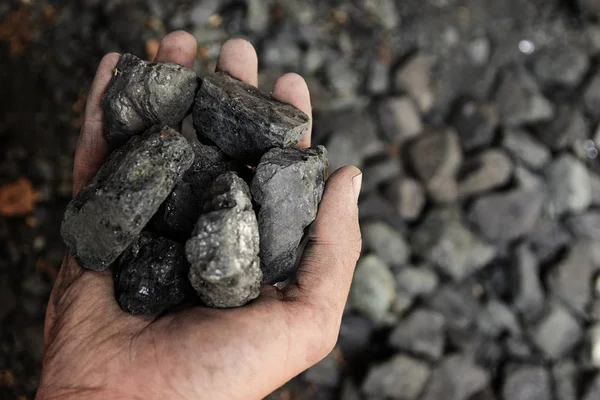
(207, 220)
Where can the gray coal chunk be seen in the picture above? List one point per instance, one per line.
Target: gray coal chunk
(180, 211)
(243, 121)
(287, 187)
(109, 213)
(151, 276)
(223, 250)
(142, 94)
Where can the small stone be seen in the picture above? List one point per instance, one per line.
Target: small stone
(326, 372)
(570, 279)
(586, 225)
(496, 319)
(529, 299)
(261, 122)
(223, 249)
(479, 50)
(562, 65)
(409, 196)
(591, 96)
(287, 187)
(503, 217)
(110, 213)
(447, 243)
(519, 98)
(528, 180)
(421, 334)
(457, 378)
(257, 15)
(484, 172)
(399, 118)
(385, 11)
(593, 391)
(417, 281)
(378, 173)
(569, 184)
(548, 238)
(525, 148)
(518, 348)
(342, 78)
(143, 94)
(414, 76)
(558, 333)
(151, 276)
(378, 77)
(475, 123)
(527, 383)
(436, 158)
(401, 378)
(457, 305)
(389, 245)
(567, 128)
(373, 288)
(565, 377)
(353, 138)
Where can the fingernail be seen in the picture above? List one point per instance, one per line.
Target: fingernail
(356, 185)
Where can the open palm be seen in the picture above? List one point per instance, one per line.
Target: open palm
(95, 350)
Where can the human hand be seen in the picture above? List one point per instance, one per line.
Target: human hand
(95, 350)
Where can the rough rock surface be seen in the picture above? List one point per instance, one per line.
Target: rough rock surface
(503, 217)
(287, 188)
(527, 383)
(387, 243)
(373, 288)
(401, 378)
(456, 377)
(421, 333)
(528, 293)
(569, 183)
(436, 158)
(570, 278)
(143, 94)
(476, 124)
(447, 243)
(409, 196)
(109, 214)
(519, 98)
(223, 250)
(487, 171)
(525, 148)
(243, 121)
(151, 276)
(558, 333)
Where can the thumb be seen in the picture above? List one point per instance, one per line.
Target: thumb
(333, 247)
